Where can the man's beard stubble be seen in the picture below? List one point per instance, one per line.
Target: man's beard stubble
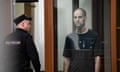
(80, 27)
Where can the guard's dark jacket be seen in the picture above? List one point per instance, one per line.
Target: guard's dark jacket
(20, 51)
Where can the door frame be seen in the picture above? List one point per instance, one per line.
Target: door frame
(49, 36)
(113, 36)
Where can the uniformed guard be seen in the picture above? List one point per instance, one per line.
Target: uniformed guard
(20, 48)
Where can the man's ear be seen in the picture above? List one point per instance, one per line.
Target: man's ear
(85, 17)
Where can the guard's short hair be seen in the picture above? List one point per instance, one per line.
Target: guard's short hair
(83, 10)
(21, 18)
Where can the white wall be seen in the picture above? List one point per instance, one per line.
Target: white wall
(39, 31)
(5, 28)
(64, 26)
(87, 5)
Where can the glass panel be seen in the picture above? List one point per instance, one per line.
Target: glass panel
(64, 27)
(65, 23)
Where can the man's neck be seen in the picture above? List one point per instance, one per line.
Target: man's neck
(82, 30)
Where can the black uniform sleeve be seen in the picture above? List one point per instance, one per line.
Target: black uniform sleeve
(67, 47)
(33, 54)
(98, 49)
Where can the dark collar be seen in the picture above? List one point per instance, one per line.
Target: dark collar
(18, 29)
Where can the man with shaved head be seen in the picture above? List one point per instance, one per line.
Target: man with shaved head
(81, 51)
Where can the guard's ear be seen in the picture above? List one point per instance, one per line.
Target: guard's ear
(22, 24)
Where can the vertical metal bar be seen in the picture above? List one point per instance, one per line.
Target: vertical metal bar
(13, 15)
(107, 41)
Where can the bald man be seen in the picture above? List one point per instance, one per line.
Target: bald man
(81, 50)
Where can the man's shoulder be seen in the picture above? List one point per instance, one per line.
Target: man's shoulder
(92, 32)
(72, 36)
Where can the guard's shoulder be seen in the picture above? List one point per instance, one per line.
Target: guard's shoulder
(25, 34)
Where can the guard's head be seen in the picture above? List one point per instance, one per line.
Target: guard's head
(23, 22)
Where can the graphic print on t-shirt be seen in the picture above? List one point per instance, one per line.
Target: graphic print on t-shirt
(82, 42)
(86, 43)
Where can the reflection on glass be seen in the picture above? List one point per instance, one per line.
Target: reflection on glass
(64, 26)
